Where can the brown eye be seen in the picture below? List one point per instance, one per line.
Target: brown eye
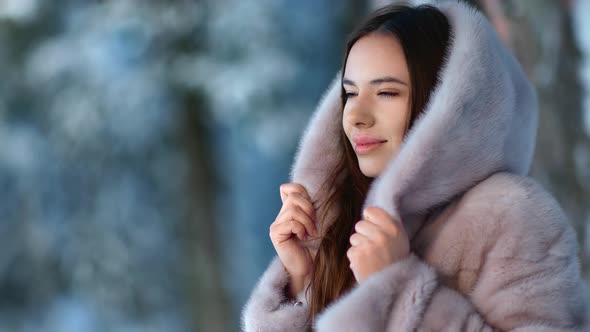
(350, 94)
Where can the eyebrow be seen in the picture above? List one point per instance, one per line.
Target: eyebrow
(377, 81)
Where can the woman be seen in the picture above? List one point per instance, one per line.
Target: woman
(415, 164)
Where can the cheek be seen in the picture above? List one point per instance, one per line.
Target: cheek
(345, 128)
(394, 121)
(345, 125)
(399, 126)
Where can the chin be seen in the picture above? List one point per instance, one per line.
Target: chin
(371, 173)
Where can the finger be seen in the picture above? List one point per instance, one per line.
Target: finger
(376, 215)
(381, 218)
(351, 254)
(289, 188)
(370, 230)
(299, 200)
(358, 239)
(296, 213)
(298, 229)
(283, 231)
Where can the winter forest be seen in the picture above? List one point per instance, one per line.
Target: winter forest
(142, 145)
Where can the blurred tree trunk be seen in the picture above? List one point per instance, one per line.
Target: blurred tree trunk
(209, 305)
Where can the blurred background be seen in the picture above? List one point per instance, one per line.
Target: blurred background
(142, 145)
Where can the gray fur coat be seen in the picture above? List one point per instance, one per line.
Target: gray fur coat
(491, 250)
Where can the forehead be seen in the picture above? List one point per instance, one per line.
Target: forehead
(376, 55)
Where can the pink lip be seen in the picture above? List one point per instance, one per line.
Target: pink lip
(363, 148)
(366, 139)
(366, 143)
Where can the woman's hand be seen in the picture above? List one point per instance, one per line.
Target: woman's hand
(294, 221)
(378, 242)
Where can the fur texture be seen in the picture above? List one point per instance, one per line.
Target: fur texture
(491, 249)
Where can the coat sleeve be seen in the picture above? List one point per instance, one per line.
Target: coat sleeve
(270, 309)
(527, 279)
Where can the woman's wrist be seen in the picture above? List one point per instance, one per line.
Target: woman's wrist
(296, 285)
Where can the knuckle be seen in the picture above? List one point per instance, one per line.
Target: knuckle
(349, 253)
(359, 225)
(300, 188)
(286, 187)
(295, 210)
(290, 210)
(394, 231)
(352, 254)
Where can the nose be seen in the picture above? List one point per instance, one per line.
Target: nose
(359, 115)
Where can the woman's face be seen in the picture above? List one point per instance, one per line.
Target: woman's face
(377, 83)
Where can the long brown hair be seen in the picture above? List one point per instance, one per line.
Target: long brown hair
(424, 34)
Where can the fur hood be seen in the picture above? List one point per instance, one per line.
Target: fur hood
(481, 119)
